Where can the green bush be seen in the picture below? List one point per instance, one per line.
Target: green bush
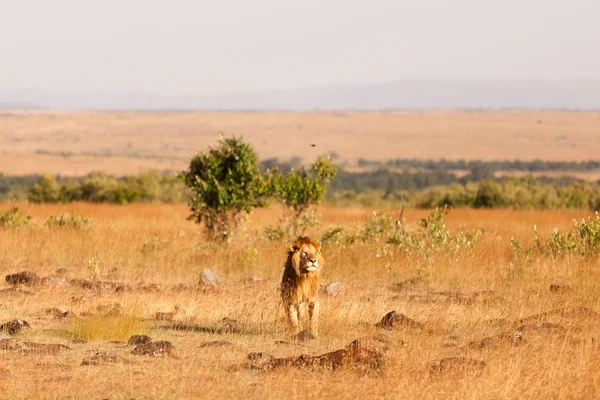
(226, 182)
(65, 220)
(45, 191)
(14, 218)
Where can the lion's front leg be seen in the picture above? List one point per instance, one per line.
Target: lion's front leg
(313, 315)
(291, 311)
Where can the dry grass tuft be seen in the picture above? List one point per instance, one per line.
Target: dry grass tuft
(111, 327)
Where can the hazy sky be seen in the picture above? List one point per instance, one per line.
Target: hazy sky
(212, 46)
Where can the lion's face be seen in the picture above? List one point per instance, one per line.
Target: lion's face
(306, 257)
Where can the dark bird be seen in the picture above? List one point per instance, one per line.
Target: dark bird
(313, 145)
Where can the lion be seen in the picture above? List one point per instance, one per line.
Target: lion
(300, 283)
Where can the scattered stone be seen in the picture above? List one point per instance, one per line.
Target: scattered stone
(26, 278)
(305, 335)
(256, 280)
(13, 327)
(136, 340)
(455, 364)
(105, 358)
(333, 288)
(155, 349)
(351, 356)
(559, 288)
(216, 343)
(394, 319)
(208, 277)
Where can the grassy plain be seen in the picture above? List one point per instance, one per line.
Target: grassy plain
(154, 244)
(76, 143)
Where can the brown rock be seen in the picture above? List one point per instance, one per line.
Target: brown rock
(159, 348)
(304, 336)
(26, 278)
(13, 327)
(559, 288)
(394, 319)
(136, 340)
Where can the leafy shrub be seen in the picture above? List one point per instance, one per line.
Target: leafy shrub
(226, 182)
(66, 220)
(13, 218)
(47, 190)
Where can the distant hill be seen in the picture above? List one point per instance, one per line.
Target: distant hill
(423, 94)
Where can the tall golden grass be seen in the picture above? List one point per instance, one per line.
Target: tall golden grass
(145, 244)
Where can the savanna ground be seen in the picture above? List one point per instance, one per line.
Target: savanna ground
(75, 143)
(466, 295)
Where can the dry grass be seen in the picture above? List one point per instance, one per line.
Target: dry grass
(145, 244)
(166, 139)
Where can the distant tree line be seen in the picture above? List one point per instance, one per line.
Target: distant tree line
(423, 188)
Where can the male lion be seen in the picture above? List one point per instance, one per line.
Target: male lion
(300, 283)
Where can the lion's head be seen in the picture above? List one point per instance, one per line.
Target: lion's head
(305, 256)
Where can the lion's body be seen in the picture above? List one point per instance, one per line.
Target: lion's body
(300, 283)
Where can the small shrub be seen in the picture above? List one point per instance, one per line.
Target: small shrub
(69, 221)
(13, 218)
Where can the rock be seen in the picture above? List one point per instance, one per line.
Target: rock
(394, 319)
(304, 336)
(256, 280)
(26, 278)
(455, 364)
(216, 343)
(104, 357)
(136, 340)
(208, 277)
(155, 349)
(351, 356)
(559, 288)
(13, 327)
(333, 288)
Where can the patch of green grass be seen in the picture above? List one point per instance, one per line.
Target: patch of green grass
(120, 327)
